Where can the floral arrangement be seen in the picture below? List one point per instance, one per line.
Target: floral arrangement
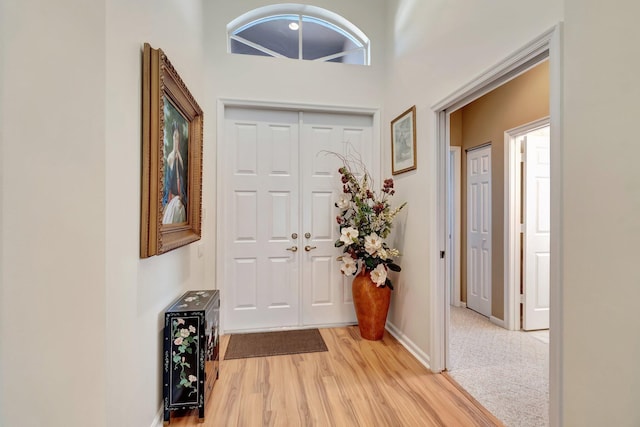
(365, 220)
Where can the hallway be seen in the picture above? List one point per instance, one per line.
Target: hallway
(506, 371)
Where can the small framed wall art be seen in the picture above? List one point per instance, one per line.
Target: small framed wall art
(403, 142)
(172, 136)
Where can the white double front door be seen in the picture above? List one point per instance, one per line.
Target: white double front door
(280, 186)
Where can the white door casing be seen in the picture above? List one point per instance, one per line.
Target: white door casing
(453, 225)
(537, 198)
(479, 230)
(282, 185)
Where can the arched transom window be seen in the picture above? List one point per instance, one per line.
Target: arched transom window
(298, 32)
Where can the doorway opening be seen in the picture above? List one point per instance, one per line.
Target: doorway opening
(527, 226)
(546, 47)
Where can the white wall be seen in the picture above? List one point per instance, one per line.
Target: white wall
(601, 330)
(80, 312)
(274, 79)
(52, 310)
(138, 290)
(435, 48)
(256, 78)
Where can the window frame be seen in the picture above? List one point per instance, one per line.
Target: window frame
(318, 15)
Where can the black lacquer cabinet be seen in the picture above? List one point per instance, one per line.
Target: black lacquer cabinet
(191, 344)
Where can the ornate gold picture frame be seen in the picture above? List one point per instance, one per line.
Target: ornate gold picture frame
(403, 142)
(172, 135)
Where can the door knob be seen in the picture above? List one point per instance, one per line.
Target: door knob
(307, 235)
(294, 235)
(293, 249)
(309, 248)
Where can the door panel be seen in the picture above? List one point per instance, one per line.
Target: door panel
(262, 190)
(245, 292)
(537, 199)
(479, 230)
(326, 293)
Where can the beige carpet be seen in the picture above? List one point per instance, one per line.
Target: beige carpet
(506, 371)
(264, 344)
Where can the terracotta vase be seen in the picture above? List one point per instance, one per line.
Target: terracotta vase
(372, 305)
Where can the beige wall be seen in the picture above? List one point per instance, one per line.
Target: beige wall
(455, 129)
(52, 304)
(520, 101)
(600, 210)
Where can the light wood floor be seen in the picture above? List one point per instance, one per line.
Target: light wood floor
(355, 383)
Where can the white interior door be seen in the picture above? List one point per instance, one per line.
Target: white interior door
(279, 260)
(479, 230)
(537, 199)
(326, 293)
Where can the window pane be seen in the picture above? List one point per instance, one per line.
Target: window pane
(356, 57)
(243, 49)
(320, 39)
(274, 34)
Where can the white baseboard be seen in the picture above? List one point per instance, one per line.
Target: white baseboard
(498, 322)
(463, 304)
(158, 420)
(409, 345)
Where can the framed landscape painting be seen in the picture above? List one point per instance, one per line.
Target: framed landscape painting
(171, 158)
(403, 142)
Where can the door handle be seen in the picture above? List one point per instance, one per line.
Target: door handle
(293, 249)
(309, 248)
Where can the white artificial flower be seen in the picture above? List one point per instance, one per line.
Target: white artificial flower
(379, 275)
(372, 243)
(344, 202)
(382, 254)
(393, 252)
(348, 265)
(348, 235)
(377, 224)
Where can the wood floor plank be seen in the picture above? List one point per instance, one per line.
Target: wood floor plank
(356, 383)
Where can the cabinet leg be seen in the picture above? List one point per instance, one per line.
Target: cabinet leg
(201, 414)
(166, 418)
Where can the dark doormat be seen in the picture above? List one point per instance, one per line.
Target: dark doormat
(263, 344)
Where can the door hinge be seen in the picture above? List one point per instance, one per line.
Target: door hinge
(521, 298)
(441, 254)
(521, 228)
